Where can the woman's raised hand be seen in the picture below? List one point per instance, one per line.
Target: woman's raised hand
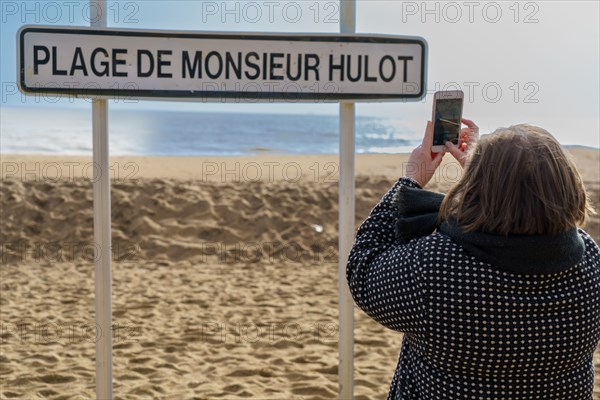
(422, 162)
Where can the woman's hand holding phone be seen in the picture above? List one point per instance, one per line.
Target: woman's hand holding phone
(422, 162)
(468, 138)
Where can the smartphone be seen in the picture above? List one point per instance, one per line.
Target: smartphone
(447, 113)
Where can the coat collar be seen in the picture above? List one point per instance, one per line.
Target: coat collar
(521, 254)
(417, 213)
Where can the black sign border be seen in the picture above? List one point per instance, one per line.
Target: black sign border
(190, 96)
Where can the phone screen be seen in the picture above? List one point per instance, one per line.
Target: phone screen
(447, 121)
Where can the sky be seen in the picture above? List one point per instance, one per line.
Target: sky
(535, 62)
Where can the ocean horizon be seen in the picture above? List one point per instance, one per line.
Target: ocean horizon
(64, 131)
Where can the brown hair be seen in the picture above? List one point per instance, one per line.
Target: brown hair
(518, 180)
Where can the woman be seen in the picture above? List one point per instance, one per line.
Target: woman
(495, 288)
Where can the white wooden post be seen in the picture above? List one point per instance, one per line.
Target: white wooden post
(102, 231)
(346, 223)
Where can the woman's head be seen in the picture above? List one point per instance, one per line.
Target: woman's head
(518, 180)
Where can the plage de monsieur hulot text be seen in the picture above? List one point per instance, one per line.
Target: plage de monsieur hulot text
(216, 65)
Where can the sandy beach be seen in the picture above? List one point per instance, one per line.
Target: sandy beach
(224, 276)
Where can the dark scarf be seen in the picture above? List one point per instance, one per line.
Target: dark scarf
(522, 254)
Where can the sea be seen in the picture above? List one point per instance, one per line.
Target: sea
(66, 131)
(190, 133)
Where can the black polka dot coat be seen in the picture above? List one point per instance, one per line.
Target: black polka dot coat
(484, 316)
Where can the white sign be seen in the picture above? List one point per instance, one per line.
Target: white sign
(115, 63)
